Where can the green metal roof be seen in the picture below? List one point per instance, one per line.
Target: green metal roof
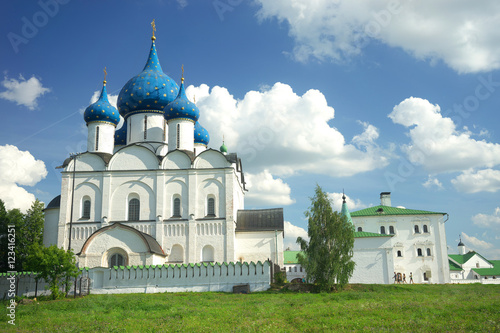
(362, 234)
(463, 258)
(290, 257)
(453, 266)
(388, 210)
(489, 271)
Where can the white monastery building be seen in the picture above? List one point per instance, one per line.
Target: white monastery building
(391, 241)
(153, 192)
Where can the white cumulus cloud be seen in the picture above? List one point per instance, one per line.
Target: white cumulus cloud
(457, 32)
(436, 143)
(475, 243)
(488, 221)
(265, 190)
(431, 182)
(487, 180)
(278, 130)
(352, 204)
(22, 91)
(291, 234)
(18, 168)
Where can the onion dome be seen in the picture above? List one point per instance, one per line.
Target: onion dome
(102, 110)
(223, 148)
(201, 135)
(149, 91)
(181, 107)
(345, 211)
(460, 243)
(121, 135)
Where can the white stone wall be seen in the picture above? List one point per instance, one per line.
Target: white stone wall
(106, 140)
(155, 125)
(136, 172)
(262, 245)
(407, 241)
(374, 260)
(186, 134)
(161, 278)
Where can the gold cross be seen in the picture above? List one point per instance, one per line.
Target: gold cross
(154, 27)
(105, 73)
(182, 77)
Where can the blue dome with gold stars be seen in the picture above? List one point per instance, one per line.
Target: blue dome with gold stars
(181, 107)
(149, 91)
(121, 135)
(102, 110)
(201, 134)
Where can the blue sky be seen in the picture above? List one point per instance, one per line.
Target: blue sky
(366, 97)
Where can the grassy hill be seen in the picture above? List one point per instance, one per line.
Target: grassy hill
(401, 308)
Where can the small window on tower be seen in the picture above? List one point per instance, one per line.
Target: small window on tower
(97, 138)
(86, 209)
(211, 207)
(177, 207)
(145, 127)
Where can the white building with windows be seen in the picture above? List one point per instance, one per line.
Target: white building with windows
(395, 240)
(152, 192)
(472, 267)
(392, 241)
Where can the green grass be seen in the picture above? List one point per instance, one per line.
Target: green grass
(401, 308)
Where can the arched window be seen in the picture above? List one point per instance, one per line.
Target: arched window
(289, 269)
(419, 253)
(428, 252)
(116, 260)
(391, 230)
(177, 207)
(399, 253)
(295, 269)
(97, 138)
(382, 230)
(207, 254)
(133, 209)
(86, 209)
(425, 228)
(211, 207)
(417, 231)
(360, 229)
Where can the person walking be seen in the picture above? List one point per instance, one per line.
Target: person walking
(404, 278)
(411, 278)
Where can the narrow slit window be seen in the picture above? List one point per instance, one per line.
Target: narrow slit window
(178, 135)
(211, 207)
(145, 127)
(97, 138)
(177, 207)
(86, 209)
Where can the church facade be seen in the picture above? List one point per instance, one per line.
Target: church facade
(153, 192)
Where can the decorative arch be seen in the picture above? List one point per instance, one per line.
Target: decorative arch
(211, 189)
(176, 254)
(122, 195)
(134, 157)
(209, 159)
(111, 257)
(176, 159)
(176, 188)
(207, 253)
(90, 192)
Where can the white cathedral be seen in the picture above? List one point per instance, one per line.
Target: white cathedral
(152, 192)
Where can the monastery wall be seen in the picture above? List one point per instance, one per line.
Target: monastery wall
(156, 279)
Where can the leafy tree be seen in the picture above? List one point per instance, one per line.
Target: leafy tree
(56, 266)
(28, 231)
(327, 256)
